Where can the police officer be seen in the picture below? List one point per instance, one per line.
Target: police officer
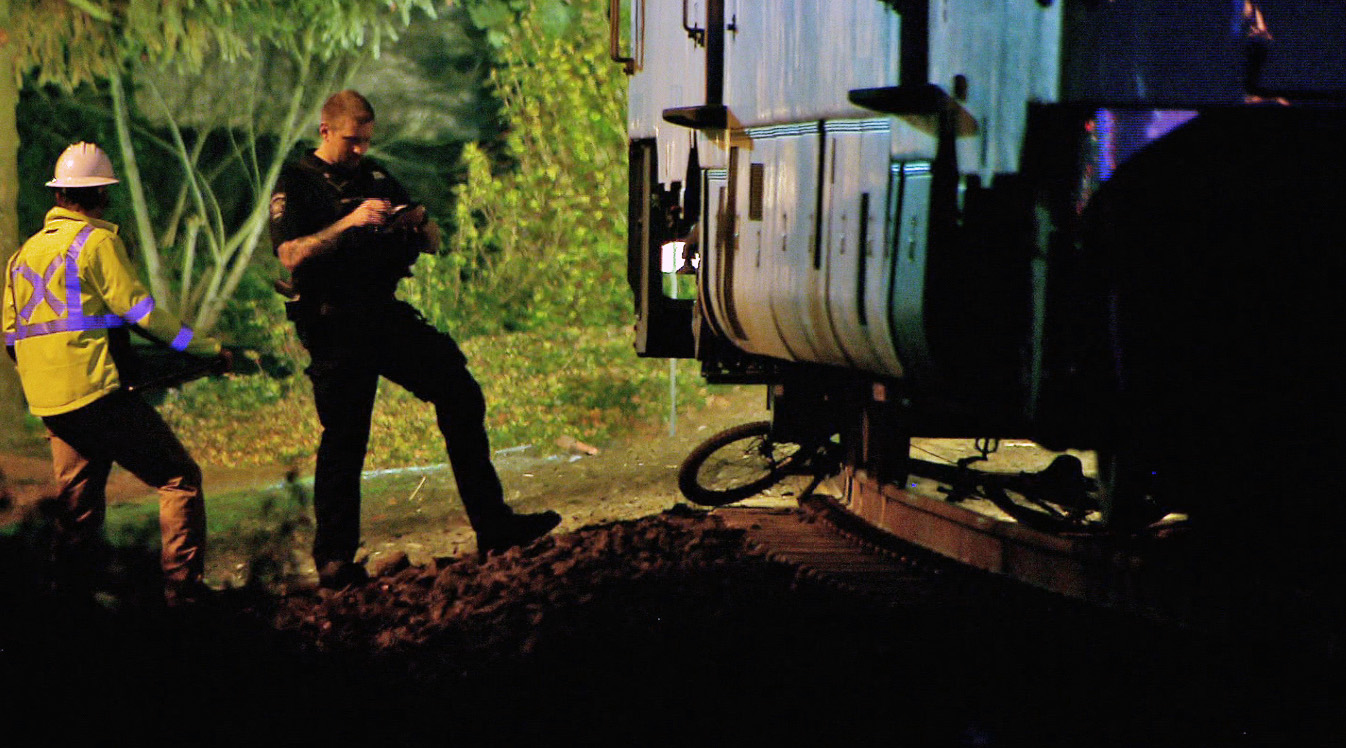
(70, 295)
(347, 232)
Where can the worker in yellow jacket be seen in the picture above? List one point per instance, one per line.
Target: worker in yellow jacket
(71, 294)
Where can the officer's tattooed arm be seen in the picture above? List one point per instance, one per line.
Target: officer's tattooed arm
(295, 252)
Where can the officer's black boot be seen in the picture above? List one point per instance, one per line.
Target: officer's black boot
(514, 529)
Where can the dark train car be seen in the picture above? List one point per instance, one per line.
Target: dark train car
(1106, 226)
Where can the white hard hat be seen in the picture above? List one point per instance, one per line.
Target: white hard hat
(83, 165)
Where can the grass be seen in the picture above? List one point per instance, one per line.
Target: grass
(257, 535)
(586, 384)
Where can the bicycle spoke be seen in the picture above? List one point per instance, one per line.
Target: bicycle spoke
(734, 464)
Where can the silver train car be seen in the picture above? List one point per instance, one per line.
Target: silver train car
(1105, 226)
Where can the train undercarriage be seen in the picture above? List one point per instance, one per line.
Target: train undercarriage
(908, 242)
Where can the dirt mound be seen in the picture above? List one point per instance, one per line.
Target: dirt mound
(664, 629)
(504, 606)
(609, 629)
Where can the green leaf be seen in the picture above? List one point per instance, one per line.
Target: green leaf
(553, 17)
(490, 14)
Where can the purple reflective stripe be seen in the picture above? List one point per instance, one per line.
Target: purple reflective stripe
(79, 324)
(183, 339)
(40, 291)
(75, 319)
(140, 311)
(72, 290)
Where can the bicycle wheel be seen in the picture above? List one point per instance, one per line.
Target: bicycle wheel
(734, 464)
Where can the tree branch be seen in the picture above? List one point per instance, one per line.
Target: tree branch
(136, 186)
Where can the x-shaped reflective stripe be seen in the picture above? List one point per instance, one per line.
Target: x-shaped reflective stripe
(41, 290)
(41, 284)
(75, 320)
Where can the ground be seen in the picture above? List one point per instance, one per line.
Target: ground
(416, 510)
(640, 621)
(632, 478)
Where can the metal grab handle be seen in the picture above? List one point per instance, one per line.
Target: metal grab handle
(697, 35)
(615, 37)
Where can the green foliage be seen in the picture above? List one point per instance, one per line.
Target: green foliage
(540, 235)
(65, 44)
(200, 212)
(258, 535)
(539, 225)
(498, 17)
(49, 120)
(240, 421)
(586, 384)
(82, 41)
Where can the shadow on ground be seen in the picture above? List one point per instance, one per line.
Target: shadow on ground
(664, 629)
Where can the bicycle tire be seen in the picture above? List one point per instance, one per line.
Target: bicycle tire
(734, 464)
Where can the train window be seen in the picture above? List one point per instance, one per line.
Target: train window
(756, 186)
(678, 266)
(671, 259)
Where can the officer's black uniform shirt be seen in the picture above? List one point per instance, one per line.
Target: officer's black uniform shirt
(366, 265)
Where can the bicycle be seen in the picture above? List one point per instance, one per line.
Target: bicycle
(744, 460)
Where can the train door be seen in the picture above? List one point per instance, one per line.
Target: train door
(663, 322)
(754, 250)
(909, 211)
(717, 258)
(788, 181)
(855, 279)
(797, 273)
(665, 57)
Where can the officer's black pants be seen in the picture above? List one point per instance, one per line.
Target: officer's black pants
(350, 350)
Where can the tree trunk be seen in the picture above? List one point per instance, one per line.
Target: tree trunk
(11, 398)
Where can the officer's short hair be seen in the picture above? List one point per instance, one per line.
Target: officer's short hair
(348, 103)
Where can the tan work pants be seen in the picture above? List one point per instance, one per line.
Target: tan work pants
(124, 429)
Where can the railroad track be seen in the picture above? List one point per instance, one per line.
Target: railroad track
(828, 545)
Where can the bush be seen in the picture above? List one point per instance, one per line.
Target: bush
(540, 230)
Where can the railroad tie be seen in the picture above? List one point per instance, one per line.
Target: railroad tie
(822, 553)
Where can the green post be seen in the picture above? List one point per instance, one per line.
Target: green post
(672, 397)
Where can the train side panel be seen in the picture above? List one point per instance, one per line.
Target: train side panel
(896, 189)
(800, 246)
(849, 45)
(1003, 55)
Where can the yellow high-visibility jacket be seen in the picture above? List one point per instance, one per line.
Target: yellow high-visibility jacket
(64, 289)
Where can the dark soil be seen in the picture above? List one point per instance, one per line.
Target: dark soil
(666, 629)
(652, 625)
